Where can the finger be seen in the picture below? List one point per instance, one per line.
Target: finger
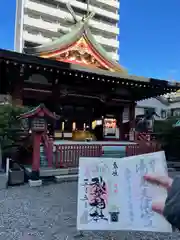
(164, 181)
(158, 207)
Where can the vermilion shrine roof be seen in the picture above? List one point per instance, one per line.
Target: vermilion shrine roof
(40, 110)
(78, 46)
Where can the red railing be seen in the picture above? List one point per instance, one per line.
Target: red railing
(67, 155)
(142, 147)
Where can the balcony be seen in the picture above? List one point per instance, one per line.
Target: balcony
(112, 3)
(40, 39)
(97, 10)
(52, 30)
(62, 15)
(35, 38)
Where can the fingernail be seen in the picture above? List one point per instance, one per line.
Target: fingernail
(157, 208)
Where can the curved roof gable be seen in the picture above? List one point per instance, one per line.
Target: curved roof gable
(61, 43)
(80, 31)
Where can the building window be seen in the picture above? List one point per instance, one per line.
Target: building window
(176, 112)
(149, 111)
(163, 114)
(169, 113)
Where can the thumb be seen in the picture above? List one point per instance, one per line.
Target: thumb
(158, 207)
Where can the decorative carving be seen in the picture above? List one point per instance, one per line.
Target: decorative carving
(84, 51)
(80, 53)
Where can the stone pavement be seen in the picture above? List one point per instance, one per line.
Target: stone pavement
(49, 213)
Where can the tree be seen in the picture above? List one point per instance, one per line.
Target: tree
(11, 131)
(169, 137)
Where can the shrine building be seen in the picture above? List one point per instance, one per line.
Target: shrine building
(75, 77)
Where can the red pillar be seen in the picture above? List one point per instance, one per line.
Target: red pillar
(36, 152)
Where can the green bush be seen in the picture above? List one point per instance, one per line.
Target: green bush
(169, 137)
(10, 128)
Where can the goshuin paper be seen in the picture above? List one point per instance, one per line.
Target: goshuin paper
(112, 194)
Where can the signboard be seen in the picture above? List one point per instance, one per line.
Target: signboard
(110, 127)
(112, 194)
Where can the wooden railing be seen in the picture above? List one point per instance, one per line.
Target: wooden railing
(142, 147)
(67, 155)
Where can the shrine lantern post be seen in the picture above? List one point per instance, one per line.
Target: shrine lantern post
(36, 121)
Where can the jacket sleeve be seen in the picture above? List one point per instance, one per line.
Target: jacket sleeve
(172, 204)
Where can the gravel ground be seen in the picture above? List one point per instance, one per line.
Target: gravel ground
(49, 213)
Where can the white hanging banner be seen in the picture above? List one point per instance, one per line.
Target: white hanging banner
(112, 194)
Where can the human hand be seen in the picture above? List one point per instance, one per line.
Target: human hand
(163, 181)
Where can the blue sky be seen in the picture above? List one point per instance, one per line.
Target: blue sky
(7, 22)
(149, 36)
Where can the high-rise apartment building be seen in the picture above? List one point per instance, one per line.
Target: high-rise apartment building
(41, 21)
